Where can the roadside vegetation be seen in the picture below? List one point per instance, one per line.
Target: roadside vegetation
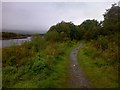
(0, 67)
(98, 66)
(99, 57)
(43, 61)
(36, 64)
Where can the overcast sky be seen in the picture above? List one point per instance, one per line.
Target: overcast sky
(40, 16)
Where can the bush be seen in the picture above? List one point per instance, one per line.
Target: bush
(39, 64)
(38, 43)
(101, 43)
(52, 36)
(13, 55)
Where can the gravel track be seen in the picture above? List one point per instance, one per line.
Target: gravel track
(77, 77)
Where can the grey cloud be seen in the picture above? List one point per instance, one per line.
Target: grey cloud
(38, 17)
(0, 16)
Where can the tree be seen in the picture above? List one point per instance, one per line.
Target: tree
(112, 19)
(111, 24)
(52, 36)
(66, 30)
(89, 29)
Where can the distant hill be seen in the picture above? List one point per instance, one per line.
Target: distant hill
(24, 32)
(12, 35)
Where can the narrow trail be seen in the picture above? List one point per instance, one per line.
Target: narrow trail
(77, 77)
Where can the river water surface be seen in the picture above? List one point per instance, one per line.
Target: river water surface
(6, 43)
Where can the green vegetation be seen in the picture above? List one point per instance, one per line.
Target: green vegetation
(100, 69)
(36, 64)
(11, 35)
(65, 30)
(99, 57)
(0, 67)
(43, 61)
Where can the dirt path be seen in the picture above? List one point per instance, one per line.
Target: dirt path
(77, 77)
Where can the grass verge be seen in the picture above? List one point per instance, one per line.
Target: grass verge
(99, 71)
(36, 64)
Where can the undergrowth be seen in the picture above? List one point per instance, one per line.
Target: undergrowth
(36, 64)
(98, 66)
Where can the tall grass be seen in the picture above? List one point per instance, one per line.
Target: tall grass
(0, 67)
(36, 64)
(98, 68)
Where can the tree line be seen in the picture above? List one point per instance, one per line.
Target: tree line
(104, 35)
(106, 30)
(12, 35)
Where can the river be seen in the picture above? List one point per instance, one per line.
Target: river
(6, 43)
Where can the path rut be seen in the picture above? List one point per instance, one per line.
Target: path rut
(77, 77)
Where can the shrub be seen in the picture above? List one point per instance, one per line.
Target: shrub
(13, 55)
(38, 43)
(101, 43)
(52, 36)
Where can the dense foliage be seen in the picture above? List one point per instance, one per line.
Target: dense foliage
(104, 34)
(101, 53)
(35, 64)
(90, 29)
(65, 30)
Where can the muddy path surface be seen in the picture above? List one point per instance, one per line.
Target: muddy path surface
(77, 78)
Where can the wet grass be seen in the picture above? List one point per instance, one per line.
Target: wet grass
(36, 64)
(97, 68)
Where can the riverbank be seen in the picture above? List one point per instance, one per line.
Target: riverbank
(20, 37)
(11, 35)
(36, 64)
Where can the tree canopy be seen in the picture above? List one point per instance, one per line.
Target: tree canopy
(90, 29)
